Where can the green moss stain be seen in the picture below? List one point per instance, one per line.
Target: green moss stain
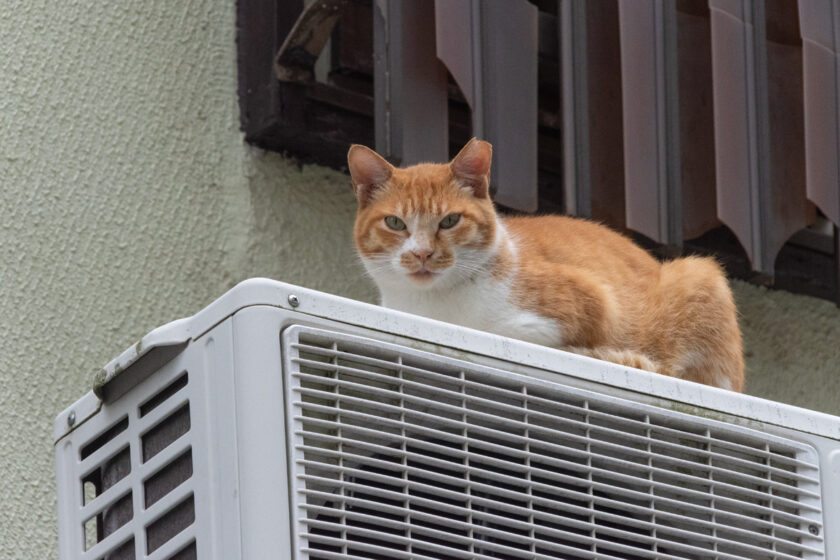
(708, 414)
(693, 410)
(99, 378)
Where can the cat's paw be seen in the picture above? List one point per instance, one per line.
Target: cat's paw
(629, 358)
(632, 359)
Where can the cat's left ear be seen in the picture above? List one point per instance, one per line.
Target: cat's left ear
(471, 167)
(368, 170)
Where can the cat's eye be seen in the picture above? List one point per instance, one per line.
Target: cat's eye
(449, 221)
(394, 223)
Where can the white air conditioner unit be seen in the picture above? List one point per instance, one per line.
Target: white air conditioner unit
(280, 422)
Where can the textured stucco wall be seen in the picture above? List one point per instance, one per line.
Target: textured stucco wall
(791, 346)
(128, 199)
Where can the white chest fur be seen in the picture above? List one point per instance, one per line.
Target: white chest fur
(483, 303)
(480, 301)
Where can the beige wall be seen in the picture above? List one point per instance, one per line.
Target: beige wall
(128, 199)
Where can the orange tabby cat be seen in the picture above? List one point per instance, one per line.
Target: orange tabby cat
(433, 243)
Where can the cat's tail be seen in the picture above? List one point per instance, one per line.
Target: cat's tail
(692, 324)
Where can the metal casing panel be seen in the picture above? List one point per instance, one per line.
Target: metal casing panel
(238, 416)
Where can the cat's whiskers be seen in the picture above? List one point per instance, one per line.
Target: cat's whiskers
(376, 266)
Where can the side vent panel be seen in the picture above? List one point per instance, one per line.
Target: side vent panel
(135, 476)
(403, 454)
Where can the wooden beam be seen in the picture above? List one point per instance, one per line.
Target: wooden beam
(261, 26)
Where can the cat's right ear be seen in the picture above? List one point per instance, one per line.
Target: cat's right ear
(471, 167)
(368, 170)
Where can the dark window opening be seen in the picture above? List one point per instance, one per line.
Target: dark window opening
(325, 103)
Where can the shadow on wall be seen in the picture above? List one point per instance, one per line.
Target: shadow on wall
(303, 215)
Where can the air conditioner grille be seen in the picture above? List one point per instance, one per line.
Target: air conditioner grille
(135, 484)
(400, 453)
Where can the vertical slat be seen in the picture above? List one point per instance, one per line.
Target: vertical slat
(606, 142)
(739, 69)
(819, 22)
(820, 25)
(71, 499)
(455, 27)
(837, 265)
(790, 210)
(697, 131)
(509, 45)
(410, 84)
(759, 169)
(651, 119)
(490, 47)
(575, 102)
(593, 183)
(136, 454)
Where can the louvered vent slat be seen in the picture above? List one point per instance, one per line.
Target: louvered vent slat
(331, 356)
(685, 491)
(181, 546)
(626, 494)
(541, 518)
(399, 453)
(136, 481)
(602, 429)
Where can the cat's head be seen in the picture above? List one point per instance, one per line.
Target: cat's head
(425, 226)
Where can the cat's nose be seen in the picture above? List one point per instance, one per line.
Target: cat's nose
(422, 254)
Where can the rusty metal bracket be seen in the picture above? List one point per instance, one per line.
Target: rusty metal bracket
(295, 61)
